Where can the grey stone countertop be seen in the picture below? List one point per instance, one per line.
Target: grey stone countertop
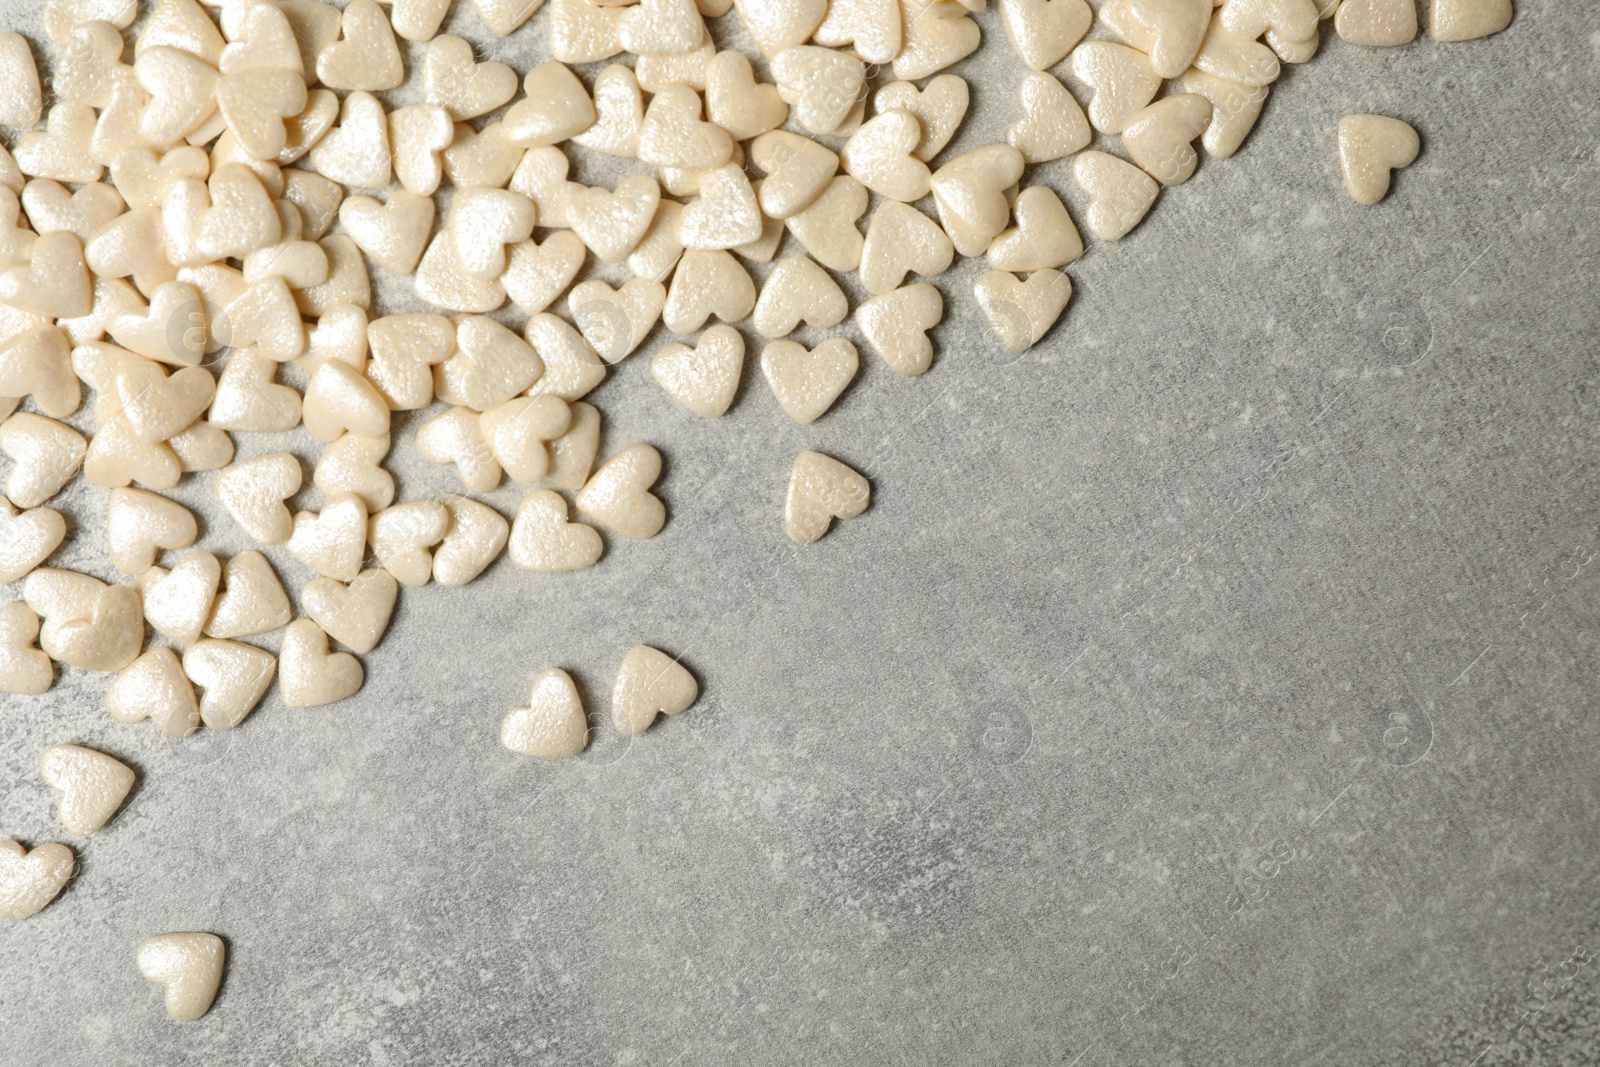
(1213, 684)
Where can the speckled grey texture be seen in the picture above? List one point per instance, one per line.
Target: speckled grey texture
(1212, 685)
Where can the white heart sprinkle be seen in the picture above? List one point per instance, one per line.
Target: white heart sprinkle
(553, 725)
(702, 379)
(821, 489)
(807, 383)
(649, 682)
(1120, 194)
(453, 79)
(478, 534)
(233, 677)
(1158, 138)
(332, 542)
(178, 602)
(1021, 313)
(827, 229)
(1169, 32)
(1052, 126)
(455, 437)
(188, 965)
(1122, 80)
(543, 540)
(23, 668)
(308, 675)
(1044, 31)
(355, 615)
(1377, 23)
(900, 240)
(93, 785)
(252, 602)
(1044, 236)
(896, 326)
(618, 497)
(351, 465)
(704, 284)
(1371, 148)
(798, 291)
(154, 687)
(30, 880)
(140, 523)
(970, 193)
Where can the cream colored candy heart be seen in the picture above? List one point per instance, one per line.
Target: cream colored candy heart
(181, 90)
(308, 675)
(1371, 148)
(553, 725)
(419, 134)
(1234, 110)
(189, 965)
(27, 538)
(262, 39)
(158, 407)
(31, 879)
(178, 602)
(582, 32)
(900, 240)
(483, 222)
(1169, 32)
(1377, 23)
(543, 540)
(537, 273)
(348, 281)
(405, 349)
(356, 615)
(896, 326)
(112, 296)
(739, 104)
(618, 497)
(454, 80)
(725, 215)
(61, 17)
(1044, 236)
(880, 156)
(661, 27)
(797, 169)
(612, 223)
(674, 135)
(620, 106)
(233, 677)
(257, 106)
(872, 26)
(443, 281)
(486, 158)
(1158, 138)
(301, 134)
(455, 437)
(778, 24)
(649, 683)
(340, 334)
(615, 321)
(91, 55)
(38, 363)
(141, 523)
(357, 151)
(969, 192)
(182, 24)
(477, 536)
(333, 542)
(338, 399)
(540, 174)
(939, 109)
(61, 150)
(1120, 194)
(172, 329)
(657, 71)
(798, 291)
(827, 229)
(1019, 312)
(821, 489)
(253, 493)
(1290, 51)
(116, 458)
(807, 383)
(1467, 20)
(1052, 125)
(556, 107)
(315, 197)
(571, 367)
(503, 16)
(1044, 31)
(707, 283)
(247, 398)
(822, 86)
(1122, 80)
(252, 602)
(402, 535)
(351, 465)
(1293, 20)
(572, 454)
(366, 57)
(933, 40)
(763, 251)
(1237, 58)
(24, 669)
(702, 379)
(393, 235)
(201, 447)
(517, 433)
(85, 213)
(87, 623)
(491, 365)
(54, 282)
(154, 687)
(299, 262)
(93, 785)
(417, 20)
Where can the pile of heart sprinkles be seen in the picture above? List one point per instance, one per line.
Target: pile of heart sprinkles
(197, 214)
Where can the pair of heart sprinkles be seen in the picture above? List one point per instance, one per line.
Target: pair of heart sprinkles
(93, 788)
(198, 216)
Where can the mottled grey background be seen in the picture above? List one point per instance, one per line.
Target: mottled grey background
(1212, 685)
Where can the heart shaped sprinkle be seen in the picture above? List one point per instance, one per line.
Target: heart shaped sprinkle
(355, 615)
(420, 133)
(797, 171)
(23, 668)
(1043, 237)
(140, 523)
(1044, 31)
(1158, 138)
(738, 103)
(543, 540)
(872, 26)
(366, 56)
(553, 725)
(571, 367)
(517, 432)
(357, 151)
(649, 683)
(618, 497)
(821, 489)
(726, 214)
(232, 676)
(308, 675)
(1377, 23)
(188, 965)
(1021, 313)
(333, 542)
(807, 383)
(1468, 20)
(900, 240)
(615, 321)
(490, 365)
(252, 602)
(702, 379)
(827, 229)
(93, 785)
(31, 879)
(339, 399)
(1052, 126)
(704, 284)
(178, 602)
(405, 349)
(478, 534)
(538, 273)
(881, 156)
(822, 86)
(1169, 32)
(1234, 110)
(896, 325)
(933, 43)
(939, 108)
(1120, 194)
(798, 291)
(572, 454)
(453, 79)
(154, 687)
(554, 108)
(778, 24)
(620, 106)
(1371, 148)
(613, 222)
(351, 465)
(27, 538)
(1122, 79)
(402, 535)
(248, 399)
(455, 437)
(970, 193)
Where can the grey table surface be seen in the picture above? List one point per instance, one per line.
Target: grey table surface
(1211, 685)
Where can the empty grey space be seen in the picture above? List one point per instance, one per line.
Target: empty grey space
(1212, 684)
